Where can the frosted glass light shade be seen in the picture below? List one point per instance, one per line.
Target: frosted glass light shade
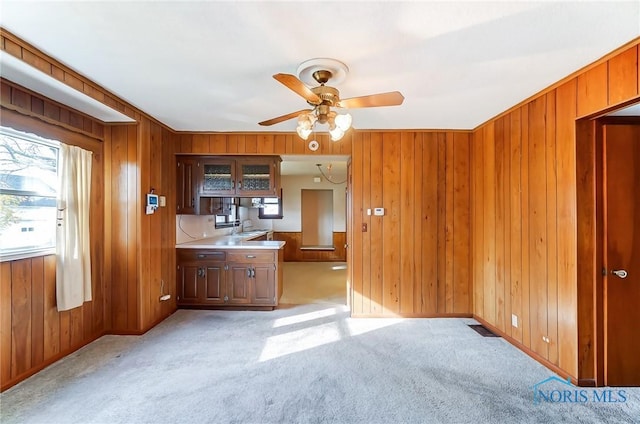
(343, 121)
(336, 133)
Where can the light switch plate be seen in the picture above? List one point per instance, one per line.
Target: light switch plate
(514, 320)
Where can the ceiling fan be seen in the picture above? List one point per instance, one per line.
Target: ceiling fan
(323, 98)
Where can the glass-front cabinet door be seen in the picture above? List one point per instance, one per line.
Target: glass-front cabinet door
(218, 177)
(257, 177)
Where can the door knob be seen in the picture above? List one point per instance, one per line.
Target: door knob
(621, 273)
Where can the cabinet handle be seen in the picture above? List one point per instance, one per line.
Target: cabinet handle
(253, 272)
(249, 272)
(239, 185)
(251, 256)
(200, 272)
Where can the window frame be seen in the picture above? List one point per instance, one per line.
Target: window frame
(279, 215)
(34, 251)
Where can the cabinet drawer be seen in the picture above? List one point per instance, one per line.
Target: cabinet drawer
(251, 256)
(201, 255)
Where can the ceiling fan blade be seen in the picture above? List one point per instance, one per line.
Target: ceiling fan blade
(294, 84)
(393, 98)
(283, 117)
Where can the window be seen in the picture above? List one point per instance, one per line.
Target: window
(28, 186)
(271, 207)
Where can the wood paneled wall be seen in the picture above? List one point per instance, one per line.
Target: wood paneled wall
(292, 252)
(141, 252)
(533, 216)
(33, 334)
(415, 260)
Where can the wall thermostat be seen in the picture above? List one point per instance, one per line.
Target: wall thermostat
(152, 203)
(313, 145)
(378, 211)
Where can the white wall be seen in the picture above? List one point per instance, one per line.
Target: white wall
(196, 227)
(292, 186)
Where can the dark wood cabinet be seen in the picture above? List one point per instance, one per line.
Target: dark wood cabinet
(187, 185)
(201, 179)
(237, 277)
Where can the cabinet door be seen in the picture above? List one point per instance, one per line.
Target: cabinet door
(187, 185)
(239, 283)
(264, 284)
(189, 284)
(257, 177)
(218, 177)
(214, 284)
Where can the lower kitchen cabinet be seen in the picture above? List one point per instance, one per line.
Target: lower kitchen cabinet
(229, 278)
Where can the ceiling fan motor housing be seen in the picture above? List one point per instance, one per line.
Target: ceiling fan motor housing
(328, 95)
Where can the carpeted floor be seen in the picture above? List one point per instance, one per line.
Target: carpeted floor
(300, 364)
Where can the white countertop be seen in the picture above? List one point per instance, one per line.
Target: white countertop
(238, 241)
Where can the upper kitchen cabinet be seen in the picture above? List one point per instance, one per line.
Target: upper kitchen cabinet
(258, 176)
(187, 185)
(240, 176)
(218, 176)
(224, 176)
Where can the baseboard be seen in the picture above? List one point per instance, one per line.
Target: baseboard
(399, 315)
(587, 382)
(45, 364)
(553, 367)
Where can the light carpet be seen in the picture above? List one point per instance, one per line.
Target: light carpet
(301, 364)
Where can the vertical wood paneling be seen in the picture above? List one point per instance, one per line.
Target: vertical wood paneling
(429, 188)
(507, 194)
(489, 222)
(365, 192)
(623, 76)
(376, 241)
(552, 228)
(450, 213)
(407, 212)
(391, 223)
(37, 310)
(460, 263)
(526, 322)
(51, 336)
(5, 322)
(478, 223)
(20, 317)
(515, 223)
(499, 228)
(592, 90)
(132, 210)
(418, 219)
(441, 229)
(356, 266)
(538, 301)
(567, 221)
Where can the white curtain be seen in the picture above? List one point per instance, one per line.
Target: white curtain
(73, 253)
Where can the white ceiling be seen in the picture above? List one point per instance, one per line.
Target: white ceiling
(208, 65)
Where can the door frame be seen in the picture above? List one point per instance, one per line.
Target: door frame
(591, 240)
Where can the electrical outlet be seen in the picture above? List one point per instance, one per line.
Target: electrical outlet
(514, 320)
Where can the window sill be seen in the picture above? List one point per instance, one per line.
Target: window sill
(27, 255)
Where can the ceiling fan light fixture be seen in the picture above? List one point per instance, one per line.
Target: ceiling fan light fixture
(343, 121)
(336, 133)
